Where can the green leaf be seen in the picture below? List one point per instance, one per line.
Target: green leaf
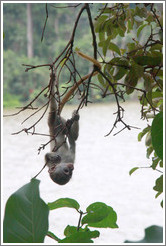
(52, 235)
(69, 230)
(131, 79)
(64, 202)
(81, 237)
(101, 36)
(153, 234)
(129, 26)
(101, 80)
(159, 184)
(158, 193)
(96, 211)
(114, 47)
(138, 71)
(141, 134)
(113, 33)
(133, 170)
(148, 139)
(131, 47)
(105, 44)
(158, 72)
(157, 134)
(120, 73)
(120, 32)
(102, 18)
(107, 222)
(155, 161)
(26, 216)
(122, 25)
(140, 29)
(161, 203)
(149, 151)
(161, 163)
(149, 96)
(120, 62)
(149, 18)
(100, 215)
(157, 94)
(156, 47)
(148, 81)
(141, 12)
(148, 60)
(99, 23)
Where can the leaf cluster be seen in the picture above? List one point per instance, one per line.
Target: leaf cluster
(153, 234)
(97, 215)
(26, 218)
(137, 63)
(154, 144)
(136, 66)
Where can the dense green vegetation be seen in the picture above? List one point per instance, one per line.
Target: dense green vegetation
(18, 85)
(127, 66)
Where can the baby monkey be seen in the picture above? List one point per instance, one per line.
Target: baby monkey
(60, 160)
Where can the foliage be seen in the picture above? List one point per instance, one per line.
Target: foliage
(19, 85)
(153, 234)
(157, 135)
(138, 66)
(31, 225)
(26, 216)
(97, 215)
(135, 67)
(10, 101)
(154, 144)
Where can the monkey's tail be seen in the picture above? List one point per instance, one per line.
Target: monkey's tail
(40, 171)
(53, 106)
(75, 86)
(89, 58)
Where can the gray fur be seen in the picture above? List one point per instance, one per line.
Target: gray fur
(61, 158)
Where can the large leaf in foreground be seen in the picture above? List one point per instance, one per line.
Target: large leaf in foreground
(26, 216)
(153, 234)
(157, 134)
(159, 184)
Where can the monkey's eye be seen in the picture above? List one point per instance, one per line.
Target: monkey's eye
(66, 170)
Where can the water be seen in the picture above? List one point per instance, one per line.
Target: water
(101, 171)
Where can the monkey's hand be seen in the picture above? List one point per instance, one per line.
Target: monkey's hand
(75, 116)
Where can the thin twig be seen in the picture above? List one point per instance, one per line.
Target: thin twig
(45, 23)
(79, 222)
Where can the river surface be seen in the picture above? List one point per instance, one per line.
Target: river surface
(101, 171)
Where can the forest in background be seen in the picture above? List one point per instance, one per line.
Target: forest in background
(23, 25)
(138, 59)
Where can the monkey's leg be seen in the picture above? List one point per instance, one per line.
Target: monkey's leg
(73, 131)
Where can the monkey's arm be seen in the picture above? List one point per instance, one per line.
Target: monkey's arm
(55, 122)
(52, 103)
(72, 126)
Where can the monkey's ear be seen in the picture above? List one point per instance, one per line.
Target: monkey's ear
(53, 158)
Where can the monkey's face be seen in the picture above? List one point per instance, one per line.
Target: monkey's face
(61, 173)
